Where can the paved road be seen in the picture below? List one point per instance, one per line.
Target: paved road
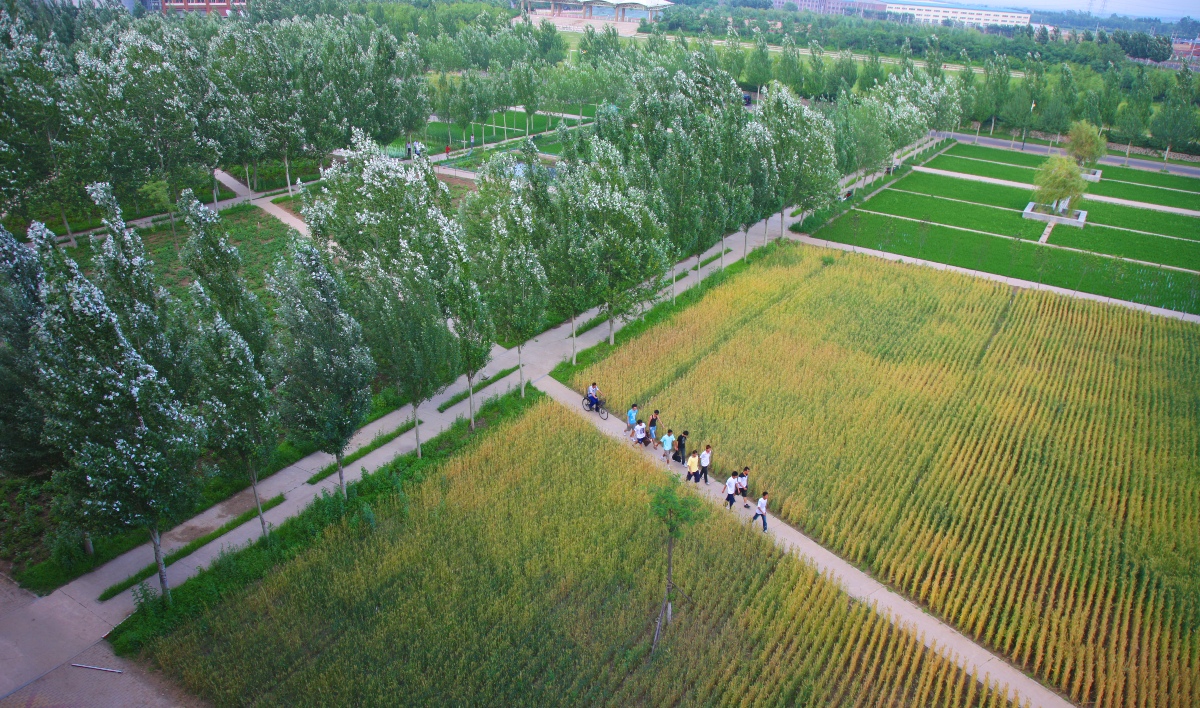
(1134, 162)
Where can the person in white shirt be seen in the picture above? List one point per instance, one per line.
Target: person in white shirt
(593, 394)
(705, 461)
(730, 491)
(744, 486)
(762, 511)
(639, 433)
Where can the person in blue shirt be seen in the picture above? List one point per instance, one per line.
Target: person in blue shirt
(631, 419)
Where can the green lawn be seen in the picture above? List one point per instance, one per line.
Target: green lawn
(1146, 193)
(951, 213)
(1157, 179)
(1020, 259)
(1126, 244)
(978, 192)
(1012, 173)
(1156, 222)
(271, 175)
(438, 134)
(1011, 157)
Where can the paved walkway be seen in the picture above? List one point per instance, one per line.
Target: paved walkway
(1134, 162)
(1090, 197)
(939, 636)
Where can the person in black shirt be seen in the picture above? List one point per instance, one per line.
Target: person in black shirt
(681, 446)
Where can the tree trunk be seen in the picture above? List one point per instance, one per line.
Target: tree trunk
(287, 173)
(246, 169)
(612, 332)
(417, 428)
(87, 544)
(1127, 149)
(471, 398)
(977, 133)
(341, 475)
(63, 211)
(257, 503)
(1166, 156)
(215, 190)
(993, 128)
(697, 268)
(662, 613)
(520, 369)
(255, 188)
(156, 541)
(528, 122)
(782, 211)
(573, 361)
(745, 243)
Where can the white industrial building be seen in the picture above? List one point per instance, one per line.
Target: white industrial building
(934, 14)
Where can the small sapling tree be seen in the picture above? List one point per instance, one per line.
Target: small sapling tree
(677, 510)
(1085, 144)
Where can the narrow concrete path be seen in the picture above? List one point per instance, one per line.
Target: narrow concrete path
(1090, 197)
(939, 636)
(1046, 233)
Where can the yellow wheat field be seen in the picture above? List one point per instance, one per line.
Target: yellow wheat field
(1025, 464)
(528, 571)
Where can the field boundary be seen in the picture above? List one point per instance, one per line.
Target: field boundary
(987, 667)
(1016, 282)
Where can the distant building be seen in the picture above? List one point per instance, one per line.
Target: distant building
(930, 13)
(221, 7)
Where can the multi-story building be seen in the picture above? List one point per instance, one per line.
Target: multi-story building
(931, 13)
(222, 7)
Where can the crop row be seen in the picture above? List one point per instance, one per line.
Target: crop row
(956, 213)
(510, 578)
(1024, 464)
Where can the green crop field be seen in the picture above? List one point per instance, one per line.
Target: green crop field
(1005, 222)
(1087, 273)
(1126, 244)
(1011, 157)
(971, 166)
(1148, 220)
(1026, 465)
(1158, 179)
(507, 577)
(966, 190)
(1145, 193)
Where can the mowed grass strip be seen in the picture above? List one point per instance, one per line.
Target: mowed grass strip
(1127, 244)
(966, 190)
(1145, 193)
(1012, 157)
(1026, 260)
(955, 213)
(1024, 464)
(1148, 220)
(1157, 179)
(1011, 173)
(509, 578)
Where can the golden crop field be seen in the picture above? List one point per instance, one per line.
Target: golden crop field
(528, 571)
(1024, 464)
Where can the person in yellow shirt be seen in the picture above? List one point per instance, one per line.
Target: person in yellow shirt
(693, 465)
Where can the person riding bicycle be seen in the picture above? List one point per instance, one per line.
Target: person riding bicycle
(594, 395)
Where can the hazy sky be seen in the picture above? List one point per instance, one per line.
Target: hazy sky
(1165, 9)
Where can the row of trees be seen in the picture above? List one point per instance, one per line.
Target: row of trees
(122, 388)
(157, 99)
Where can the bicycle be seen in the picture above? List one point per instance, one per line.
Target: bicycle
(598, 408)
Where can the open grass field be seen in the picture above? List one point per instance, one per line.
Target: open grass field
(966, 190)
(1119, 182)
(1024, 464)
(508, 577)
(260, 239)
(438, 134)
(1110, 277)
(1127, 244)
(996, 220)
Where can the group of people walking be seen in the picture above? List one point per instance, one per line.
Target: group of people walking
(698, 463)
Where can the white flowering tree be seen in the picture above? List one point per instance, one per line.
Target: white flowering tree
(631, 251)
(323, 366)
(131, 443)
(21, 414)
(803, 147)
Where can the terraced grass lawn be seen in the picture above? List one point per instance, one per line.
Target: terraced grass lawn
(1126, 244)
(1146, 193)
(955, 213)
(1011, 173)
(507, 578)
(966, 190)
(1155, 222)
(1158, 179)
(1108, 277)
(1012, 157)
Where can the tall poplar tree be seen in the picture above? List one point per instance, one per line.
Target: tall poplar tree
(323, 366)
